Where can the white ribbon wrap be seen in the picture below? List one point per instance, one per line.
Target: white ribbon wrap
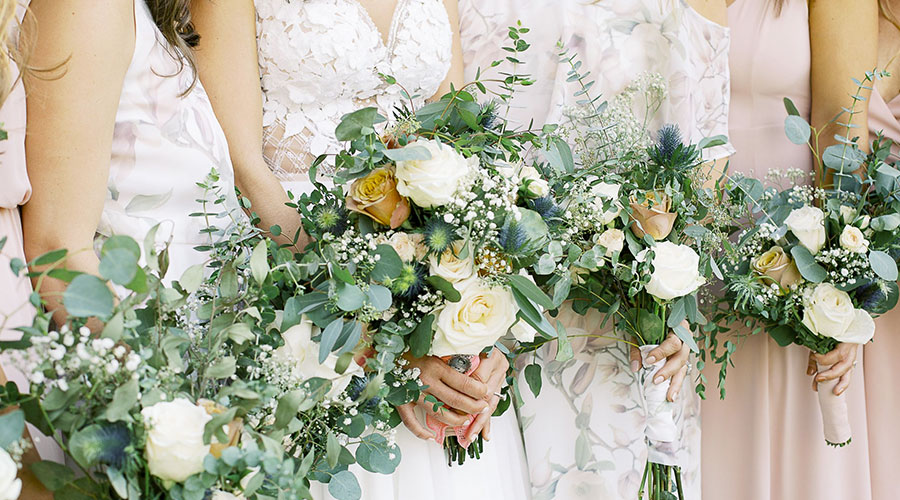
(661, 429)
(835, 416)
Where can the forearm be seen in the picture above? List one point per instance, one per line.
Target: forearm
(268, 201)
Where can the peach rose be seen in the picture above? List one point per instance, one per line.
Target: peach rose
(777, 267)
(376, 196)
(234, 427)
(653, 216)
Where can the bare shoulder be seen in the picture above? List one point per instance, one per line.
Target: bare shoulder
(714, 10)
(91, 33)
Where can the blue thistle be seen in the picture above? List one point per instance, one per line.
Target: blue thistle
(546, 207)
(411, 281)
(104, 444)
(330, 219)
(668, 140)
(489, 115)
(439, 235)
(512, 237)
(871, 297)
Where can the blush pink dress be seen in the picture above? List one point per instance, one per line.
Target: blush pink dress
(765, 440)
(882, 372)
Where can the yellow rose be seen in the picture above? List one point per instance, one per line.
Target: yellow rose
(376, 196)
(652, 216)
(777, 267)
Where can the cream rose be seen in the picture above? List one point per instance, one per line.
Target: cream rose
(536, 185)
(829, 312)
(450, 266)
(848, 214)
(808, 225)
(175, 449)
(852, 239)
(432, 183)
(10, 486)
(613, 240)
(480, 318)
(300, 350)
(676, 271)
(606, 192)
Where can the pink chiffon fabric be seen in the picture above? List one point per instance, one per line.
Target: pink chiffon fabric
(881, 369)
(765, 440)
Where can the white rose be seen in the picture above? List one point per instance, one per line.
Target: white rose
(606, 192)
(848, 214)
(175, 449)
(676, 271)
(613, 240)
(852, 239)
(480, 318)
(451, 267)
(864, 222)
(808, 225)
(829, 312)
(303, 352)
(10, 486)
(432, 183)
(537, 186)
(577, 484)
(406, 245)
(224, 495)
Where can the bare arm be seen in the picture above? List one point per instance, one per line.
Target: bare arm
(70, 126)
(229, 69)
(455, 75)
(843, 37)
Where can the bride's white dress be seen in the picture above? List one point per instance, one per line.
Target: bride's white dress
(321, 59)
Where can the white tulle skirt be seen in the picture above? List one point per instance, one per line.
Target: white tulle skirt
(500, 474)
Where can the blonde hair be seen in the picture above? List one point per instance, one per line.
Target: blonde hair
(8, 49)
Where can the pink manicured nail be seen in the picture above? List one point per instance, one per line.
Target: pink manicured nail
(658, 380)
(651, 359)
(635, 366)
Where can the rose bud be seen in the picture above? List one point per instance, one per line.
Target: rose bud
(653, 216)
(376, 196)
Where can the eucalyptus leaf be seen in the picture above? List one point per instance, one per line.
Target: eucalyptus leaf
(806, 263)
(119, 266)
(350, 297)
(12, 427)
(409, 153)
(51, 474)
(420, 341)
(329, 338)
(192, 278)
(447, 288)
(357, 124)
(527, 288)
(375, 454)
(389, 264)
(379, 297)
(259, 265)
(533, 377)
(88, 296)
(883, 265)
(222, 368)
(797, 129)
(124, 400)
(344, 486)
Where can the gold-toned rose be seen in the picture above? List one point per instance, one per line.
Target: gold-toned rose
(234, 427)
(653, 216)
(376, 196)
(777, 267)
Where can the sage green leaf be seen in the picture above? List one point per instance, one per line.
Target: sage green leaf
(806, 263)
(350, 297)
(88, 296)
(287, 408)
(332, 450)
(447, 288)
(192, 278)
(797, 130)
(119, 266)
(533, 377)
(408, 153)
(379, 297)
(222, 368)
(12, 426)
(389, 264)
(124, 400)
(564, 350)
(883, 265)
(357, 124)
(530, 290)
(259, 264)
(375, 455)
(329, 338)
(344, 486)
(51, 474)
(420, 341)
(51, 257)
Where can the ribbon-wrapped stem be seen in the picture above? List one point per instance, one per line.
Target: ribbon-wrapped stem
(456, 439)
(835, 416)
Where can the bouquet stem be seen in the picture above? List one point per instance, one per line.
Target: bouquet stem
(835, 417)
(456, 442)
(661, 482)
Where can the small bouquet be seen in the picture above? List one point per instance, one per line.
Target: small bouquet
(814, 265)
(422, 245)
(191, 388)
(629, 237)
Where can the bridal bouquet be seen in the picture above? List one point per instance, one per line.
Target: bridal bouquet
(422, 246)
(816, 264)
(628, 233)
(189, 388)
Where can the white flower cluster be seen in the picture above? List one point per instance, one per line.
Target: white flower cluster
(845, 267)
(481, 200)
(353, 248)
(77, 355)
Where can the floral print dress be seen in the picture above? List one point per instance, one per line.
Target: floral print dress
(585, 434)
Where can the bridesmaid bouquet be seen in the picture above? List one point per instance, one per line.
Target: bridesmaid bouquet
(815, 264)
(190, 388)
(422, 246)
(629, 237)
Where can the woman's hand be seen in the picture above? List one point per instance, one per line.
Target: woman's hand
(841, 361)
(491, 371)
(676, 353)
(457, 391)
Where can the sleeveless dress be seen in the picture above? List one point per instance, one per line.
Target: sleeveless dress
(15, 190)
(881, 370)
(163, 145)
(592, 403)
(764, 441)
(321, 59)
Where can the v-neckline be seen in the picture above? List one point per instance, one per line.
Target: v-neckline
(386, 39)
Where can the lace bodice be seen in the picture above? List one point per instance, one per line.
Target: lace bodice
(321, 59)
